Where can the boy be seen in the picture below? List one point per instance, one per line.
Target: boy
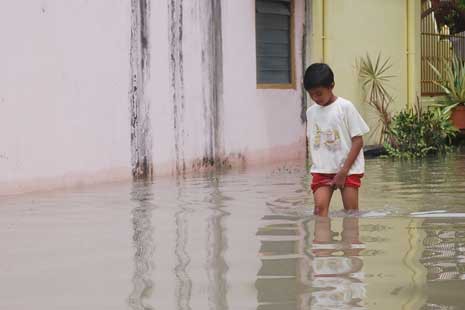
(334, 130)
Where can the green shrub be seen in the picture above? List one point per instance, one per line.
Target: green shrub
(414, 133)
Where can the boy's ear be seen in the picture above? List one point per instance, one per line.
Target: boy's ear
(332, 86)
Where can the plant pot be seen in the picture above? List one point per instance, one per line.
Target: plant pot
(458, 117)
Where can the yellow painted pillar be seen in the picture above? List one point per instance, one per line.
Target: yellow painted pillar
(413, 34)
(318, 46)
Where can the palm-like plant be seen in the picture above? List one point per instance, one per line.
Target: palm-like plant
(373, 76)
(452, 82)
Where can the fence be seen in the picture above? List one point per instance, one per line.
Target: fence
(437, 48)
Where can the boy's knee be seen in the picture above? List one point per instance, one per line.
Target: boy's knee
(320, 210)
(351, 205)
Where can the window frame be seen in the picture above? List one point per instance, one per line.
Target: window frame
(292, 84)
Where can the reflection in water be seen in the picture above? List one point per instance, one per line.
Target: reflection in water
(207, 259)
(444, 260)
(337, 276)
(216, 247)
(277, 284)
(144, 246)
(305, 263)
(183, 281)
(295, 274)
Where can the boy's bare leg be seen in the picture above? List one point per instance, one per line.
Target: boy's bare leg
(350, 198)
(322, 197)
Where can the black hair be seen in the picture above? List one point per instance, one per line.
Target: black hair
(318, 75)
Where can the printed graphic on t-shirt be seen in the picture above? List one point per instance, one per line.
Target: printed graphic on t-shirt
(329, 138)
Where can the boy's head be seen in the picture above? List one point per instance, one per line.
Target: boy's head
(319, 82)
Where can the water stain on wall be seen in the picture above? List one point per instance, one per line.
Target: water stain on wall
(209, 22)
(212, 80)
(305, 34)
(141, 135)
(176, 75)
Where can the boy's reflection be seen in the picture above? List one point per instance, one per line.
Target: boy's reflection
(337, 275)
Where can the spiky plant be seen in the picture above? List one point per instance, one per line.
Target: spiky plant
(373, 76)
(452, 82)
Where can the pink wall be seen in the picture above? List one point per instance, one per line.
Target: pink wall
(67, 69)
(263, 123)
(256, 125)
(63, 93)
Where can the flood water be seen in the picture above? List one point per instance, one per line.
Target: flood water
(240, 240)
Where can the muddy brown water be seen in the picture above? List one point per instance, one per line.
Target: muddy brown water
(240, 240)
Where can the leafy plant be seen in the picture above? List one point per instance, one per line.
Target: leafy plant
(415, 133)
(449, 13)
(373, 76)
(452, 82)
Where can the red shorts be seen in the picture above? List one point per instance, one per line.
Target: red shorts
(323, 179)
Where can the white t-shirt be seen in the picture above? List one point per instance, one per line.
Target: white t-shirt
(329, 130)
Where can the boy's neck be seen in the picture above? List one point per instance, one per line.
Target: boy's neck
(331, 100)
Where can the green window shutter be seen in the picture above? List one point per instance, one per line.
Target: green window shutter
(273, 27)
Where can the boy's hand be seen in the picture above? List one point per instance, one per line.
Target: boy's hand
(339, 179)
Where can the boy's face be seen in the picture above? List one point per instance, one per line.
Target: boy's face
(322, 95)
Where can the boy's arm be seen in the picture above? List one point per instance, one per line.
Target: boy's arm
(340, 178)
